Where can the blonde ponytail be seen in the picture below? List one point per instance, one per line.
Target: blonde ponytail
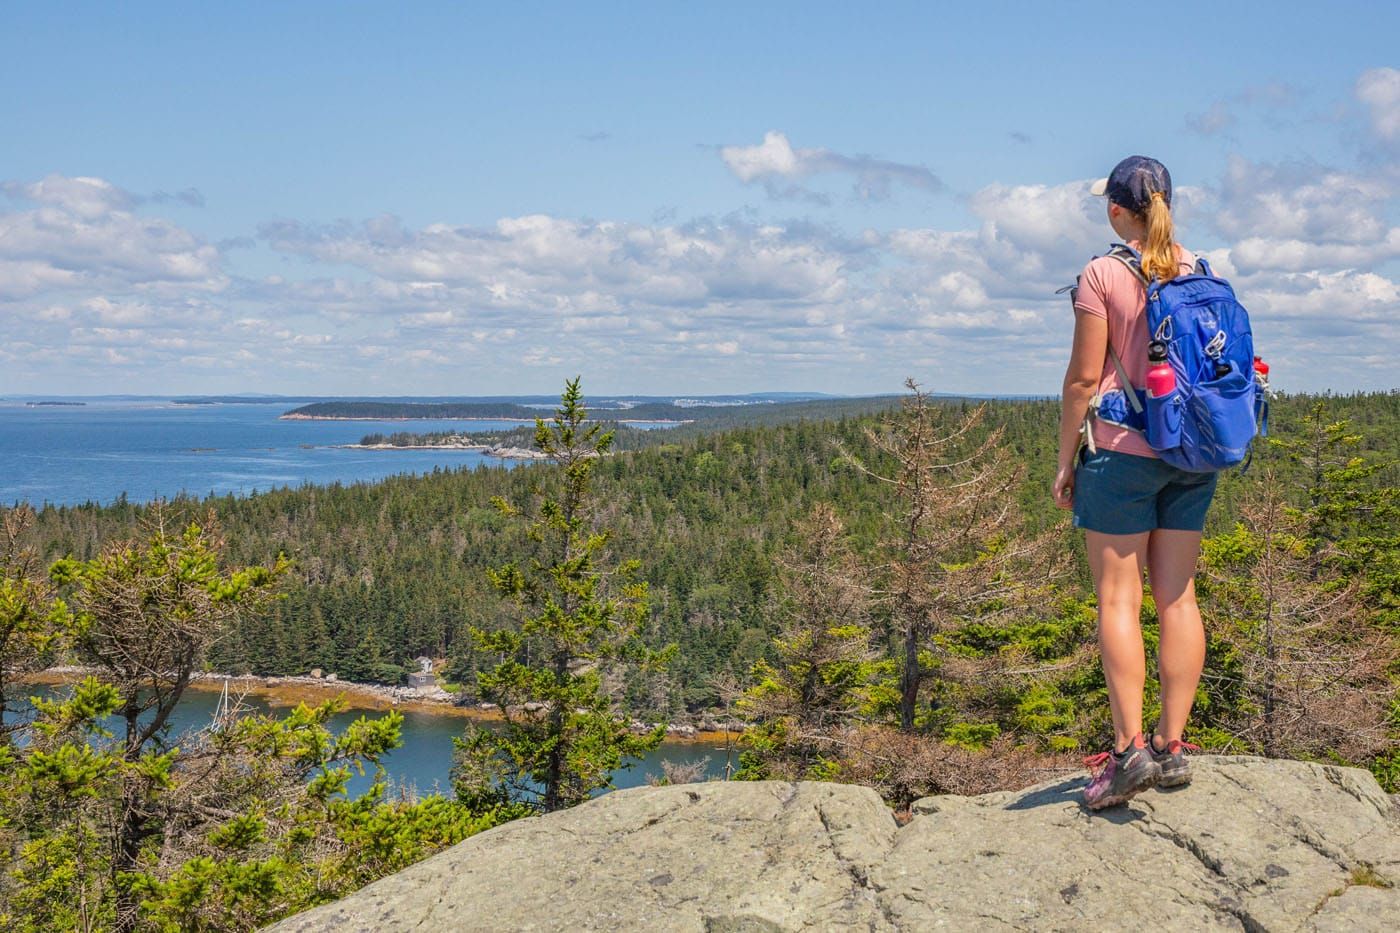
(1159, 258)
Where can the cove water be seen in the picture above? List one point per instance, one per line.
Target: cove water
(423, 762)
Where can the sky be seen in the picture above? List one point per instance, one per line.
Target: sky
(473, 199)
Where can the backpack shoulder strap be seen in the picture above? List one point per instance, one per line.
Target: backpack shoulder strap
(1128, 257)
(1123, 380)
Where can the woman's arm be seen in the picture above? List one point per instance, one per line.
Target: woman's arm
(1081, 382)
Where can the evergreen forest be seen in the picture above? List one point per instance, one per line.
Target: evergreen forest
(389, 571)
(881, 589)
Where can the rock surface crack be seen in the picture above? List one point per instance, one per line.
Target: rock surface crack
(1337, 779)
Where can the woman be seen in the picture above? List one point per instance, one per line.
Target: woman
(1137, 512)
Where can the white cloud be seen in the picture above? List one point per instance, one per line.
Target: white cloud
(775, 158)
(83, 197)
(89, 281)
(553, 265)
(1379, 90)
(971, 309)
(1266, 254)
(1303, 219)
(1299, 200)
(82, 235)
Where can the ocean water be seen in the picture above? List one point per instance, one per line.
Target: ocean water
(156, 450)
(424, 761)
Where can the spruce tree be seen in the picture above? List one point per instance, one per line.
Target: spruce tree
(819, 683)
(579, 617)
(1351, 506)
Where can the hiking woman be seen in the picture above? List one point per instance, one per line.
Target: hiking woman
(1138, 513)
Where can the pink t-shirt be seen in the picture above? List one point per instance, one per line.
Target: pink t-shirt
(1110, 290)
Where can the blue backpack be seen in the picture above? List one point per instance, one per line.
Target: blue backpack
(1209, 421)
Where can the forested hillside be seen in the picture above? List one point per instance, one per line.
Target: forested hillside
(389, 571)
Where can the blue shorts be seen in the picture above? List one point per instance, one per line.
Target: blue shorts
(1124, 494)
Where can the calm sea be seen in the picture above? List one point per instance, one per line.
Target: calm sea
(157, 449)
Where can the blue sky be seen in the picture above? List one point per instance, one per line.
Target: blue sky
(472, 199)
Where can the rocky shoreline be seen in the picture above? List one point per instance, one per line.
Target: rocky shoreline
(290, 690)
(486, 450)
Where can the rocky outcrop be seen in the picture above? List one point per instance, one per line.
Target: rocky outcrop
(1251, 844)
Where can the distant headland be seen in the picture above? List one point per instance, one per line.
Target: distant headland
(470, 411)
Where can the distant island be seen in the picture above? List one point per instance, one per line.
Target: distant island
(435, 440)
(55, 404)
(513, 444)
(230, 400)
(633, 416)
(473, 411)
(502, 451)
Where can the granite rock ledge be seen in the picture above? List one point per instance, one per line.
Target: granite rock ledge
(1252, 845)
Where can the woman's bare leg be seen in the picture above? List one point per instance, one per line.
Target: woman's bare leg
(1117, 562)
(1171, 566)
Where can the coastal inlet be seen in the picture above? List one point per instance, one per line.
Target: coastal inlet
(423, 761)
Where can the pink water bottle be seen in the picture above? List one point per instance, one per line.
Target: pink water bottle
(1161, 380)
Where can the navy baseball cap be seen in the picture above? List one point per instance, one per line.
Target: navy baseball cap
(1132, 182)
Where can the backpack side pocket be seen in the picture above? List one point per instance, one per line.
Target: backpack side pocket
(1164, 421)
(1224, 415)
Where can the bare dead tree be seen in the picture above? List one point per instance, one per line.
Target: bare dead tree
(729, 691)
(1311, 673)
(681, 772)
(956, 552)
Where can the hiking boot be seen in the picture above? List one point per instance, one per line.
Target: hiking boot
(1176, 770)
(1119, 777)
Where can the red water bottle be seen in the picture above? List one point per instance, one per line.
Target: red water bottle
(1161, 379)
(1261, 373)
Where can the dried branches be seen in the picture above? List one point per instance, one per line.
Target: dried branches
(955, 553)
(1308, 673)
